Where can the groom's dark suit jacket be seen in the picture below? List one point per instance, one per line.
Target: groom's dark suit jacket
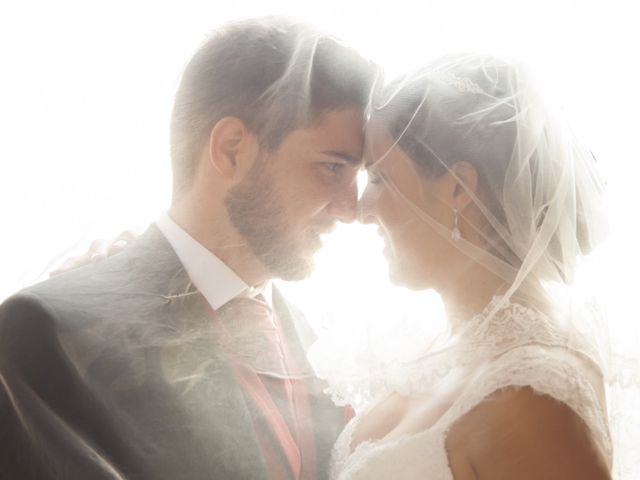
(113, 371)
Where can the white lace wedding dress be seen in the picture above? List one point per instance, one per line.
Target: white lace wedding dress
(523, 348)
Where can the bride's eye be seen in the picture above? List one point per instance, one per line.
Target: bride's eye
(374, 177)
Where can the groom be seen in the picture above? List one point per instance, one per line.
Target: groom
(176, 359)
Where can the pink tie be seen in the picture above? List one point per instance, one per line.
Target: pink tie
(253, 338)
(253, 345)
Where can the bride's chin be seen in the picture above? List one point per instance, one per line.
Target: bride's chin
(413, 286)
(392, 273)
(408, 270)
(402, 278)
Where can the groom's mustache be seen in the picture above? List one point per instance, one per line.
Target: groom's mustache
(330, 228)
(324, 229)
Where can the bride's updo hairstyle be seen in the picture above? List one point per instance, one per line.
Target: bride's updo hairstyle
(537, 185)
(536, 209)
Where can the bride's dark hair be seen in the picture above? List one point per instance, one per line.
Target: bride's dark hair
(482, 110)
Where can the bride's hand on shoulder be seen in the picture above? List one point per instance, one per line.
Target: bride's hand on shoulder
(98, 251)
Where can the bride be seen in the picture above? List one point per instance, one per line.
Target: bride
(483, 195)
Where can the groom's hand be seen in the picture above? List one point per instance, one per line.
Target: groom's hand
(98, 250)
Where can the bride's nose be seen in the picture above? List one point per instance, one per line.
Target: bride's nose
(365, 208)
(344, 205)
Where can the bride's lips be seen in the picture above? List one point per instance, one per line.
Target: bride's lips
(387, 251)
(384, 238)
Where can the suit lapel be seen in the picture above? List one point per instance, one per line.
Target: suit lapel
(328, 420)
(224, 420)
(195, 374)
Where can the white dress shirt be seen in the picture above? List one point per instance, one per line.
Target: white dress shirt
(210, 275)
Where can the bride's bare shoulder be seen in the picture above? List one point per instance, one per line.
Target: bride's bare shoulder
(518, 433)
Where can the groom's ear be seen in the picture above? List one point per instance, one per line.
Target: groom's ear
(232, 148)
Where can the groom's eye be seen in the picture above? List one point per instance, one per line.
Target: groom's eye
(334, 167)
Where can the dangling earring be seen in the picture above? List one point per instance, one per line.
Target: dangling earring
(455, 233)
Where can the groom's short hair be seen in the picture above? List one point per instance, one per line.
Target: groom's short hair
(274, 73)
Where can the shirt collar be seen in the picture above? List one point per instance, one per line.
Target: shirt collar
(210, 275)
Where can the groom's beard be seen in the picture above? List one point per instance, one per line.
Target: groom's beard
(259, 214)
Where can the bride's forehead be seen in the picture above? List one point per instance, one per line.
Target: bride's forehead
(381, 151)
(377, 138)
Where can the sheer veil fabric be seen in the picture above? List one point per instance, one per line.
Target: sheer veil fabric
(541, 206)
(135, 339)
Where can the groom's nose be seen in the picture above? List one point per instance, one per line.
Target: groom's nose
(345, 203)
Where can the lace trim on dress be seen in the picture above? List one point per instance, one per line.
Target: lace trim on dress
(501, 326)
(532, 366)
(520, 347)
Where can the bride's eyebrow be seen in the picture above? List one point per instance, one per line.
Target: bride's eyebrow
(372, 167)
(369, 164)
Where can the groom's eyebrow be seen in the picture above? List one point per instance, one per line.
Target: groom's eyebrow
(350, 159)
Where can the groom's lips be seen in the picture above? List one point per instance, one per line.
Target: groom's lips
(315, 234)
(324, 230)
(330, 228)
(314, 238)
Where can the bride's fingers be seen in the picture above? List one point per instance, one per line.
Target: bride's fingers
(98, 251)
(128, 235)
(117, 246)
(124, 239)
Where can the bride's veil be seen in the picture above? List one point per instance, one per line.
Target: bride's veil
(540, 199)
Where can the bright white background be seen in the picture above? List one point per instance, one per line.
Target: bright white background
(86, 90)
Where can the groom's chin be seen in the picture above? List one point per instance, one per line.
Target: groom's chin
(293, 269)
